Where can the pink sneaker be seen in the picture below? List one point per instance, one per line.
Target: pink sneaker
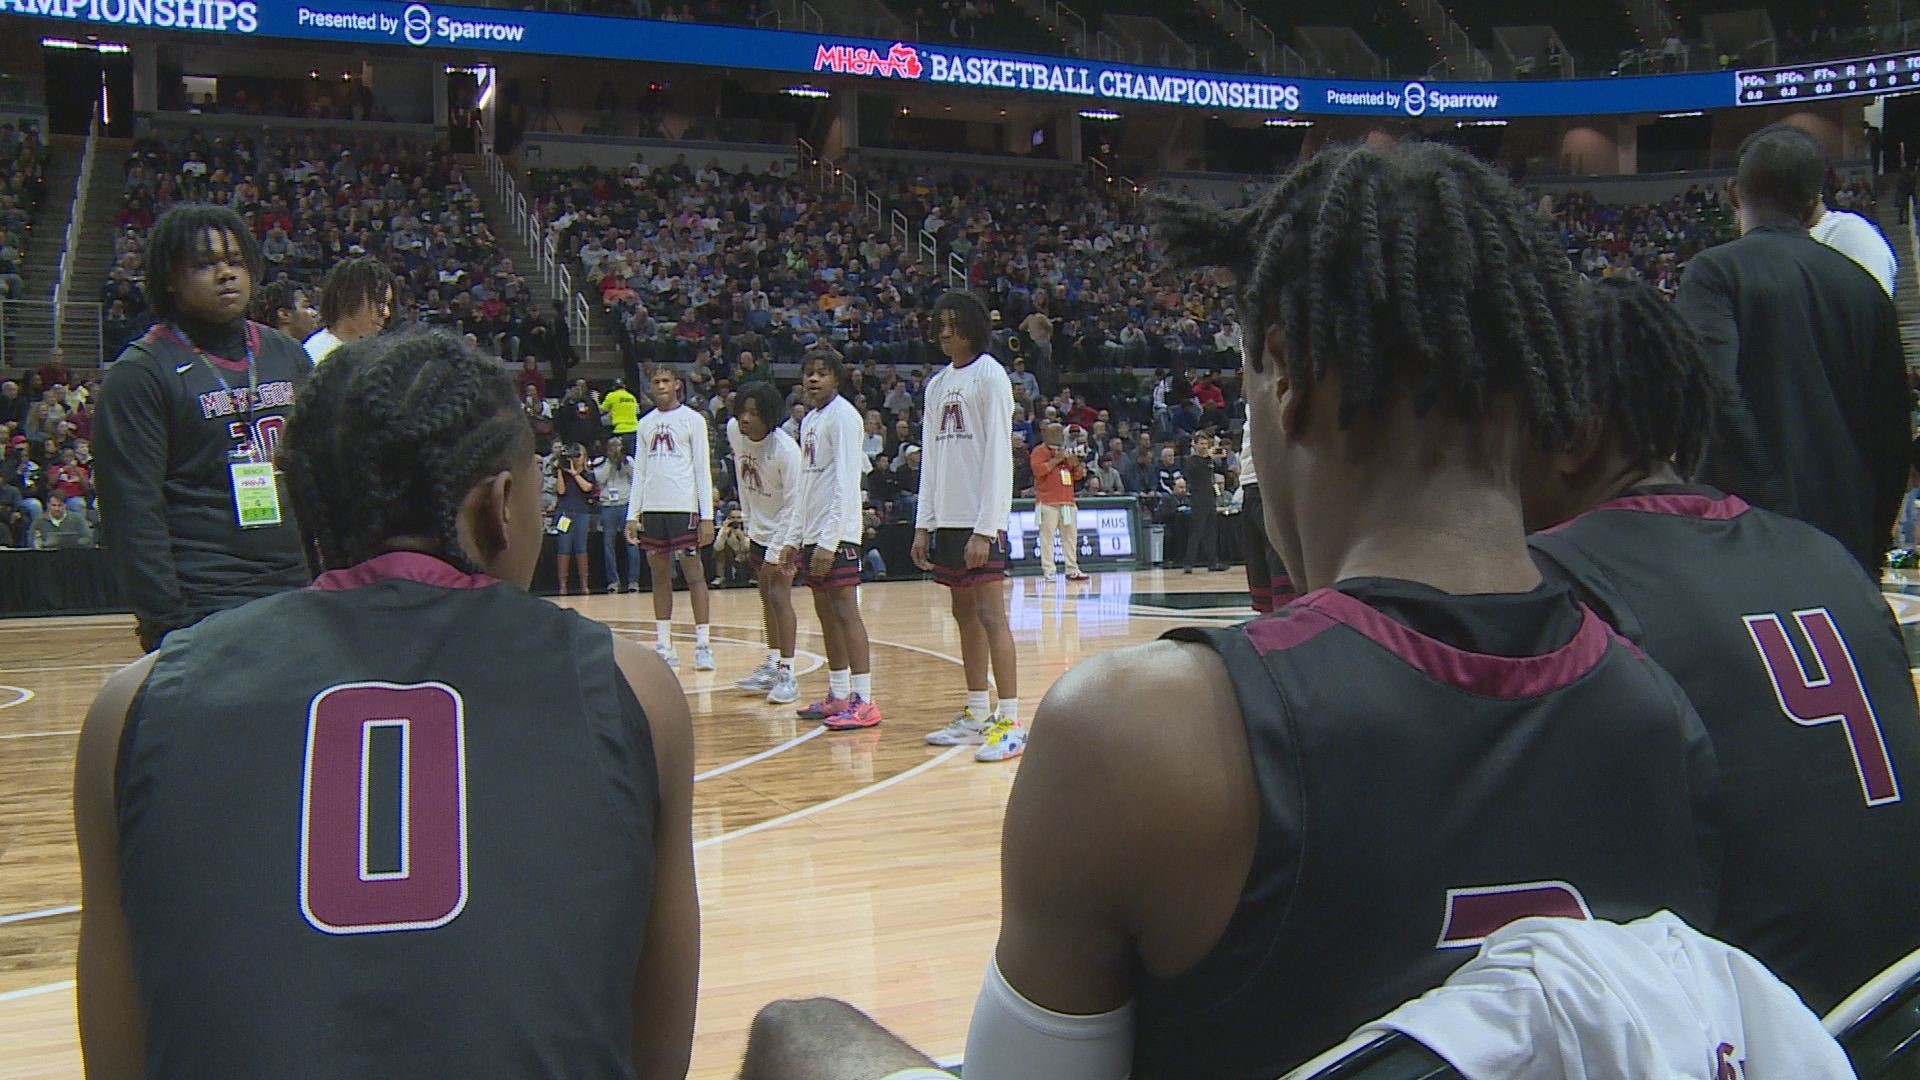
(859, 713)
(825, 707)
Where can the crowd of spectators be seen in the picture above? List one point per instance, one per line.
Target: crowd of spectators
(23, 184)
(315, 198)
(46, 471)
(1650, 242)
(698, 265)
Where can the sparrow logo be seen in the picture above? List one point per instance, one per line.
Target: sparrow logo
(750, 473)
(1414, 99)
(662, 442)
(416, 23)
(808, 450)
(953, 421)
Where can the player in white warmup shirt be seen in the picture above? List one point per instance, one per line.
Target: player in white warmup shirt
(832, 464)
(671, 512)
(966, 494)
(766, 472)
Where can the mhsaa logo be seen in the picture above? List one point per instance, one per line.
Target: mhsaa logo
(901, 62)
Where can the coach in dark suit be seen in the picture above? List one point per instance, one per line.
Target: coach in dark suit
(1818, 429)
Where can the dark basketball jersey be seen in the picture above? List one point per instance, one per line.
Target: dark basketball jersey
(170, 417)
(1430, 767)
(1798, 670)
(397, 824)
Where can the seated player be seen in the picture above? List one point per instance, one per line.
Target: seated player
(1787, 650)
(368, 828)
(1305, 820)
(766, 466)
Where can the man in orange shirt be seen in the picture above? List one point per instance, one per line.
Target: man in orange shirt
(1055, 470)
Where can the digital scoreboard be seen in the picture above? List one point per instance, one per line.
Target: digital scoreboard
(1890, 74)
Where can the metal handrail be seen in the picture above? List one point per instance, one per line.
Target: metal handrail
(70, 243)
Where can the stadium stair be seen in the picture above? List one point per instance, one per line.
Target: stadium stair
(93, 260)
(603, 363)
(41, 260)
(1906, 284)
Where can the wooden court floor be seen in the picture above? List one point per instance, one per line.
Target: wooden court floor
(862, 865)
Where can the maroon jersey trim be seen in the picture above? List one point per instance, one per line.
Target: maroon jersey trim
(1476, 673)
(401, 566)
(1724, 508)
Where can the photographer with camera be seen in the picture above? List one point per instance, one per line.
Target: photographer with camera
(1056, 469)
(572, 513)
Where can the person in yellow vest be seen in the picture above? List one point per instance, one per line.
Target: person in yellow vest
(622, 411)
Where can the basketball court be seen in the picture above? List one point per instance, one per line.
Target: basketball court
(862, 865)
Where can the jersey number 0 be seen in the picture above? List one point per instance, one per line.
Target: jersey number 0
(383, 815)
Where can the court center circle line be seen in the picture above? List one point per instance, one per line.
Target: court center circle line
(25, 695)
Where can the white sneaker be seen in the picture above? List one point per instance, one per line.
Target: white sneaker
(1005, 741)
(703, 658)
(967, 728)
(785, 689)
(761, 679)
(668, 654)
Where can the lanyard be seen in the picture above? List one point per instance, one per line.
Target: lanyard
(251, 402)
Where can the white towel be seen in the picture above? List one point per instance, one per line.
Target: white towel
(1567, 999)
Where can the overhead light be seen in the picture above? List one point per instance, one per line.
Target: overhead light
(1480, 123)
(1681, 115)
(84, 46)
(805, 91)
(1099, 114)
(1287, 122)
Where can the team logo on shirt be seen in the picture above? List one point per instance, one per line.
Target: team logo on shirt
(953, 418)
(807, 450)
(662, 442)
(750, 475)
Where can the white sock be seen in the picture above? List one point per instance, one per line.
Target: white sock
(840, 683)
(663, 632)
(785, 662)
(1010, 709)
(773, 655)
(863, 686)
(700, 640)
(977, 701)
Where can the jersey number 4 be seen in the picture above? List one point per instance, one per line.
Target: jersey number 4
(1826, 689)
(383, 815)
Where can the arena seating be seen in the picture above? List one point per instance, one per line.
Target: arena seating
(23, 185)
(315, 198)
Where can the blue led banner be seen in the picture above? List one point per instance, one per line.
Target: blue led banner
(488, 30)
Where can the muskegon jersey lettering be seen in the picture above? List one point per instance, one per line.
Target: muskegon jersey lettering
(1429, 767)
(387, 851)
(1798, 670)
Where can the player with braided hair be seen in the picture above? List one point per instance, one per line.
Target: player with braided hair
(334, 798)
(1309, 818)
(1707, 585)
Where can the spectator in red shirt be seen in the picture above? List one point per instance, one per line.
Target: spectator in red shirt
(530, 376)
(1055, 470)
(55, 371)
(70, 481)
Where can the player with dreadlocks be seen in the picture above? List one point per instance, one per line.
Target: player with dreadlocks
(1431, 721)
(1728, 598)
(336, 800)
(356, 300)
(285, 306)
